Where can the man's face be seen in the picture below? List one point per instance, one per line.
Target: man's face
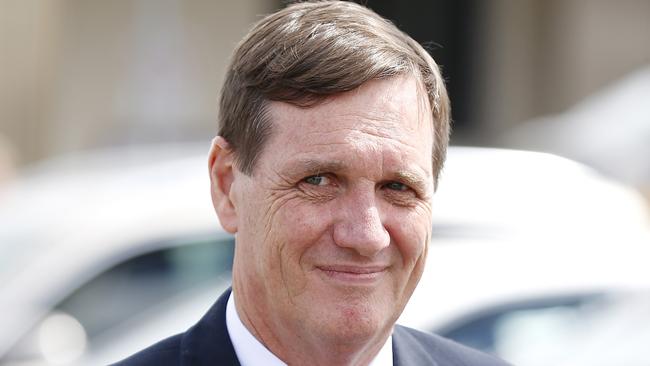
(333, 224)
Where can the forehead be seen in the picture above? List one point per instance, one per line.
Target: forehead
(393, 109)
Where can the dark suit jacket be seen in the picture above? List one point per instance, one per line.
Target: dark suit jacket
(208, 343)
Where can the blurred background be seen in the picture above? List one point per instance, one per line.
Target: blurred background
(85, 74)
(100, 91)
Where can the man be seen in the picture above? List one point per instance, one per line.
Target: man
(333, 130)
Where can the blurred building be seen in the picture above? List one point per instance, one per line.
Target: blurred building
(78, 74)
(609, 130)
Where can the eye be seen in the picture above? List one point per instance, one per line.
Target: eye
(396, 186)
(317, 180)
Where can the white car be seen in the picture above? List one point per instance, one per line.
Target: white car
(102, 254)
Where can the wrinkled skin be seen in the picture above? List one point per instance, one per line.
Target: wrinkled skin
(332, 226)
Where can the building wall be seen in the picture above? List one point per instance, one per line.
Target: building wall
(77, 74)
(543, 56)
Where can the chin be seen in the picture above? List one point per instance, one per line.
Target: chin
(344, 313)
(354, 321)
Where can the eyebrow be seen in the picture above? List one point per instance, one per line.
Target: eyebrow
(314, 166)
(413, 180)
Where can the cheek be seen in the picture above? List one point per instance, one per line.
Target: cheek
(296, 230)
(299, 225)
(412, 239)
(411, 234)
(294, 239)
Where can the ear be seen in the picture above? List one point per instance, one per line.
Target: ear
(220, 164)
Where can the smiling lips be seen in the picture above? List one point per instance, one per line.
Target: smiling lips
(353, 274)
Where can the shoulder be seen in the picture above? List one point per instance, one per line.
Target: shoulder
(413, 347)
(164, 353)
(205, 343)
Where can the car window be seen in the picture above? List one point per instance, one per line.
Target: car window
(582, 329)
(485, 329)
(124, 291)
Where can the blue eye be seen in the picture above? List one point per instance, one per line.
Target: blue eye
(317, 180)
(396, 186)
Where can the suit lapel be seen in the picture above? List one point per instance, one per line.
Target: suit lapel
(408, 351)
(208, 342)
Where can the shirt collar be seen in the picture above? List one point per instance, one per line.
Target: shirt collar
(251, 352)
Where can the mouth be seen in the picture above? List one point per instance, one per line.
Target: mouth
(353, 274)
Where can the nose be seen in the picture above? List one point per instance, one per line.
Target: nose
(361, 228)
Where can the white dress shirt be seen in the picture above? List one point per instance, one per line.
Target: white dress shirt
(251, 352)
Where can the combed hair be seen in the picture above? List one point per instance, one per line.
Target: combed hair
(311, 50)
